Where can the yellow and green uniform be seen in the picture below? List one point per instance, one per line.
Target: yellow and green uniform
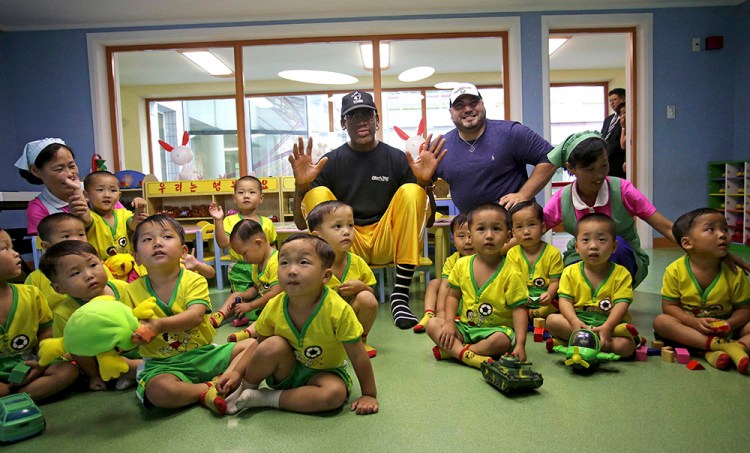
(593, 305)
(548, 265)
(189, 354)
(239, 271)
(69, 305)
(319, 344)
(492, 304)
(356, 269)
(18, 337)
(729, 290)
(110, 240)
(39, 280)
(449, 264)
(263, 280)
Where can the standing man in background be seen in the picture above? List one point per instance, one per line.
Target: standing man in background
(611, 131)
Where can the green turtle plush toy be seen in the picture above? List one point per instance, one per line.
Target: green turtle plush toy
(102, 328)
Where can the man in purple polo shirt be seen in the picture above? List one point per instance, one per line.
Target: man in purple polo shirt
(487, 159)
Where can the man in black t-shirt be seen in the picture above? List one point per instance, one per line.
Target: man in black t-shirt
(387, 189)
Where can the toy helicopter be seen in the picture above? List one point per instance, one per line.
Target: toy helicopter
(584, 350)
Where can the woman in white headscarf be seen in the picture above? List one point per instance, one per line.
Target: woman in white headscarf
(50, 162)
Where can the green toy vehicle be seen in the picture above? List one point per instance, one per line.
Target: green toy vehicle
(509, 373)
(584, 350)
(19, 418)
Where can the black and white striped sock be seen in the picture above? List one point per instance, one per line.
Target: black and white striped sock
(402, 315)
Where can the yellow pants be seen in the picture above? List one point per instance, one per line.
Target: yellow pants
(397, 237)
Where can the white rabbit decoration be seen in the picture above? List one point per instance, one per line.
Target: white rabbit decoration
(182, 155)
(413, 144)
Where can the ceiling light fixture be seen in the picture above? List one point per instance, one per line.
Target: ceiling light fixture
(319, 77)
(365, 51)
(446, 85)
(556, 43)
(208, 62)
(416, 73)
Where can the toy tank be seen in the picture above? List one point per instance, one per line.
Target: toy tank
(509, 373)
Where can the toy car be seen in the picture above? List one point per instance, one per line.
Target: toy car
(509, 373)
(19, 418)
(584, 350)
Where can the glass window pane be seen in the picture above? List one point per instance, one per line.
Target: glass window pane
(281, 110)
(171, 83)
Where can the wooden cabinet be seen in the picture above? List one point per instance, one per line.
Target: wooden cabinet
(729, 192)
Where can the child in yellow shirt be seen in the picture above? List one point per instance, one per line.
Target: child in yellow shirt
(595, 293)
(437, 290)
(26, 320)
(699, 289)
(540, 263)
(110, 227)
(248, 196)
(352, 278)
(180, 361)
(57, 227)
(305, 335)
(488, 293)
(75, 270)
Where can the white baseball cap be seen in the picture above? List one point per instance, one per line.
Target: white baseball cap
(464, 89)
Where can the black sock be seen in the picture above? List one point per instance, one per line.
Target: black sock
(402, 315)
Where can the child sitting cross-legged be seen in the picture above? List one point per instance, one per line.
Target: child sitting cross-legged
(180, 362)
(490, 294)
(248, 196)
(595, 293)
(250, 241)
(75, 270)
(304, 336)
(540, 263)
(26, 320)
(352, 278)
(437, 290)
(700, 289)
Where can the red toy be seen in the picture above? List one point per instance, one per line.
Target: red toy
(538, 334)
(693, 365)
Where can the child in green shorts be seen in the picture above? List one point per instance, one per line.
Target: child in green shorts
(26, 320)
(180, 361)
(75, 270)
(305, 335)
(489, 294)
(595, 293)
(248, 196)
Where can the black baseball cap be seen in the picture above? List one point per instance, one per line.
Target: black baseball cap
(357, 100)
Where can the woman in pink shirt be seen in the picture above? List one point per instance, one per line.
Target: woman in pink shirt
(584, 155)
(51, 163)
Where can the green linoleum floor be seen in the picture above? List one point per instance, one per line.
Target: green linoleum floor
(444, 406)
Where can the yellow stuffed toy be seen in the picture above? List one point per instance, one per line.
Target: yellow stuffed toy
(121, 265)
(102, 328)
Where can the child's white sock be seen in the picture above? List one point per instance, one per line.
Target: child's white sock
(231, 399)
(256, 398)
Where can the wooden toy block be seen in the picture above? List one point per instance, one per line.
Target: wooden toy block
(657, 344)
(667, 354)
(683, 356)
(641, 354)
(18, 373)
(720, 326)
(653, 351)
(693, 365)
(538, 334)
(540, 322)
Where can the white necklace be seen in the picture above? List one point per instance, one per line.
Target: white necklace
(471, 146)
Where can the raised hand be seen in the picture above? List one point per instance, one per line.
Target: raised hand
(430, 155)
(216, 211)
(305, 170)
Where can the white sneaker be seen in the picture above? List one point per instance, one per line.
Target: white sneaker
(124, 383)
